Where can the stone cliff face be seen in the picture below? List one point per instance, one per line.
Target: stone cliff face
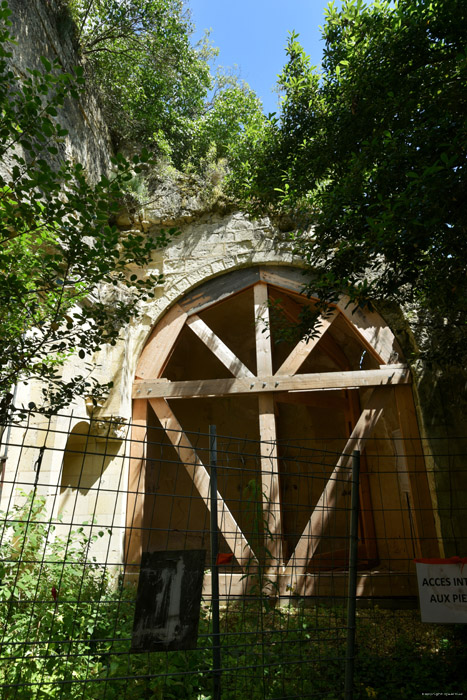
(42, 28)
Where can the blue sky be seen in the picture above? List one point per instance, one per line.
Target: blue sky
(253, 35)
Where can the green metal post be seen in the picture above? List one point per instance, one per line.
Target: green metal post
(216, 642)
(352, 589)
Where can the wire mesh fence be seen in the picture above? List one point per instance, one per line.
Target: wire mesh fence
(83, 502)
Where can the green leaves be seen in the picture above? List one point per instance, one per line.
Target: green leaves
(151, 80)
(64, 286)
(372, 153)
(50, 605)
(155, 85)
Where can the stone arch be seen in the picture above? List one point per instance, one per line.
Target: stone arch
(214, 349)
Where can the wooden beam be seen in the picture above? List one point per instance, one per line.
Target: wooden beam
(201, 479)
(262, 331)
(136, 487)
(219, 289)
(160, 345)
(324, 509)
(272, 512)
(223, 353)
(267, 430)
(389, 376)
(283, 277)
(304, 347)
(371, 329)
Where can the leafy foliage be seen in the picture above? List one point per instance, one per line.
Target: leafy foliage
(155, 85)
(66, 623)
(372, 153)
(233, 109)
(65, 285)
(151, 80)
(54, 601)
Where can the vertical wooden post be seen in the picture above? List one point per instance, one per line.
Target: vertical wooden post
(267, 429)
(216, 638)
(136, 487)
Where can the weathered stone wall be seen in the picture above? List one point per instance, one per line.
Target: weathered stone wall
(210, 244)
(42, 28)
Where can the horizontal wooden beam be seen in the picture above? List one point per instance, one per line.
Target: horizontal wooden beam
(162, 388)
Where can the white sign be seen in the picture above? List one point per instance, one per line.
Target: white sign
(442, 588)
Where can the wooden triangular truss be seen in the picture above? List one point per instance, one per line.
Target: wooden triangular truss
(150, 387)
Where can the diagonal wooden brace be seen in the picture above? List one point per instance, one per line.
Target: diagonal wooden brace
(327, 502)
(223, 353)
(201, 479)
(297, 357)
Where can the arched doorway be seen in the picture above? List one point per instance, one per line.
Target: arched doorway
(214, 359)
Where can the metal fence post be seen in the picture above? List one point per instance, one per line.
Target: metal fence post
(216, 642)
(352, 589)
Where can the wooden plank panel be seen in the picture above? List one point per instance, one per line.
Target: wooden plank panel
(136, 487)
(218, 347)
(323, 511)
(291, 309)
(218, 289)
(304, 347)
(419, 487)
(407, 509)
(262, 331)
(329, 346)
(333, 400)
(366, 507)
(201, 479)
(368, 325)
(160, 345)
(270, 477)
(299, 382)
